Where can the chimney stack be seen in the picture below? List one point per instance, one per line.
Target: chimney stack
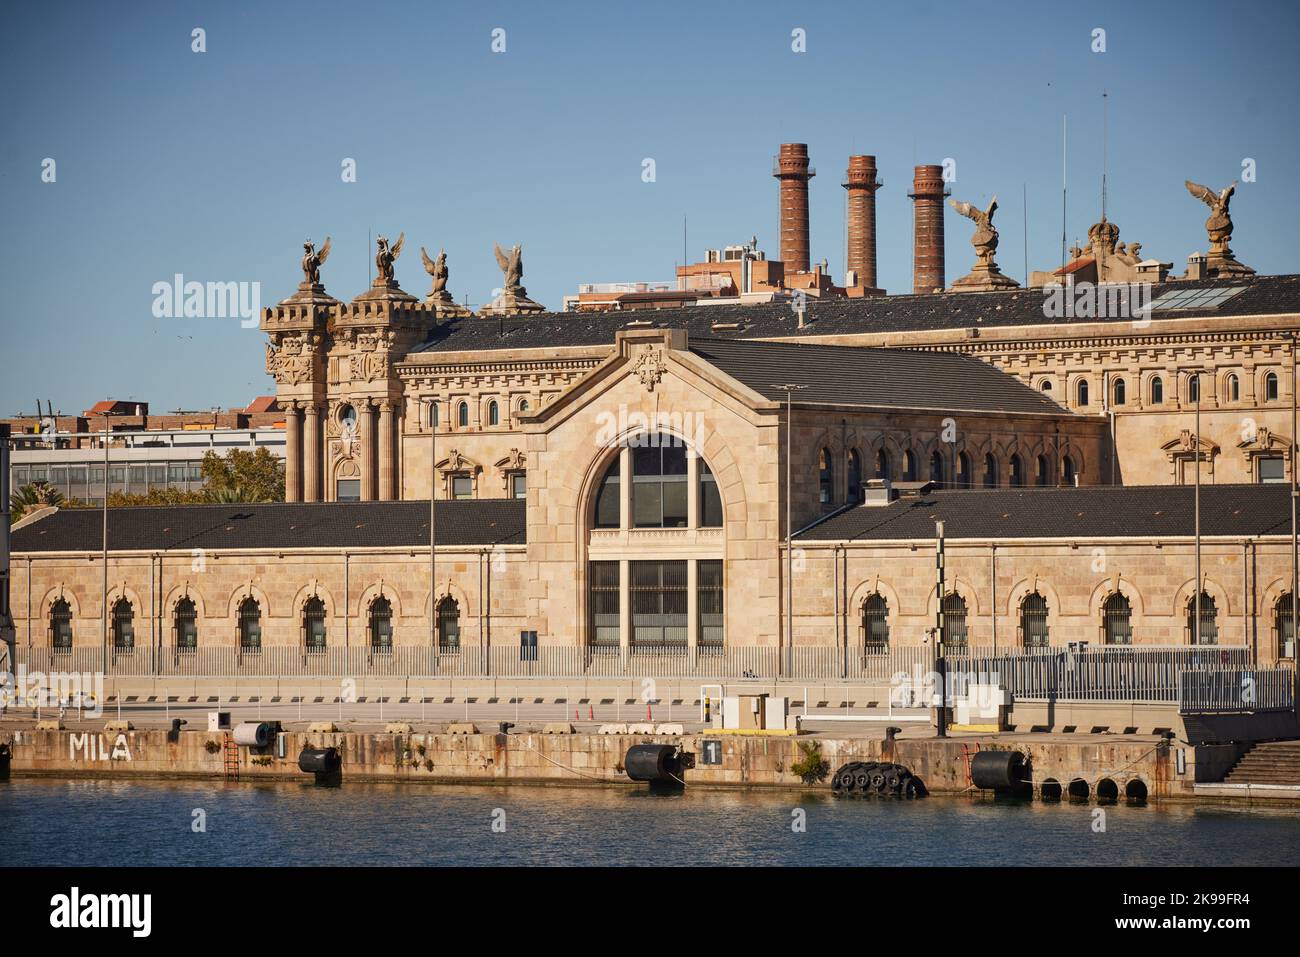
(792, 170)
(861, 182)
(927, 232)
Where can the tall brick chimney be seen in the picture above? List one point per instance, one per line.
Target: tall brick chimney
(793, 171)
(927, 232)
(861, 182)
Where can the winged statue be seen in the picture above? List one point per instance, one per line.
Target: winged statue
(437, 268)
(385, 256)
(512, 268)
(985, 239)
(313, 260)
(1219, 225)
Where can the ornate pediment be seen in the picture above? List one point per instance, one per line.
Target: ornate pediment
(1189, 445)
(1264, 439)
(456, 462)
(513, 462)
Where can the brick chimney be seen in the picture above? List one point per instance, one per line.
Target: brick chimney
(792, 169)
(861, 182)
(927, 232)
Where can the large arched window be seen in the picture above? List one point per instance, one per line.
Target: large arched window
(608, 498)
(1208, 632)
(462, 414)
(1270, 387)
(1033, 621)
(186, 622)
(990, 470)
(825, 478)
(909, 466)
(313, 624)
(1117, 620)
(936, 467)
(381, 624)
(250, 624)
(61, 626)
(954, 620)
(1082, 391)
(659, 488)
(494, 413)
(875, 623)
(1283, 626)
(854, 469)
(710, 498)
(1044, 476)
(1157, 390)
(964, 477)
(123, 625)
(1121, 392)
(1016, 471)
(448, 626)
(882, 463)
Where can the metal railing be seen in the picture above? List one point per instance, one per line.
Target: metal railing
(1228, 691)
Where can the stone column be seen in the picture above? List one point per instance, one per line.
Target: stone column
(366, 434)
(692, 603)
(292, 454)
(624, 603)
(692, 491)
(312, 464)
(387, 463)
(625, 488)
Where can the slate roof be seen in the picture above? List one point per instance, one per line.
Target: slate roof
(1264, 295)
(278, 525)
(883, 378)
(1087, 512)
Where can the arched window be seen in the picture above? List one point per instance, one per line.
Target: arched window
(1121, 392)
(523, 405)
(61, 625)
(964, 477)
(1046, 385)
(875, 623)
(250, 625)
(1067, 470)
(433, 414)
(854, 490)
(1283, 627)
(607, 498)
(187, 625)
(1033, 621)
(1157, 390)
(882, 463)
(1270, 387)
(1208, 632)
(710, 499)
(313, 624)
(348, 419)
(825, 478)
(1044, 472)
(1234, 388)
(1117, 620)
(909, 466)
(494, 413)
(1016, 472)
(954, 620)
(448, 626)
(123, 625)
(462, 414)
(381, 624)
(990, 470)
(659, 483)
(1082, 390)
(1194, 387)
(936, 468)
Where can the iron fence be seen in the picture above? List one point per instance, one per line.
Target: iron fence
(1236, 690)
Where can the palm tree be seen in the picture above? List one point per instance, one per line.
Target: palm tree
(233, 494)
(35, 495)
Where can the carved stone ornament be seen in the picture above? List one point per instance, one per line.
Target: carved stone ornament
(650, 368)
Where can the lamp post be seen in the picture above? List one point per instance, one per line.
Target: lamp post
(103, 656)
(940, 664)
(789, 388)
(1196, 507)
(433, 538)
(1295, 553)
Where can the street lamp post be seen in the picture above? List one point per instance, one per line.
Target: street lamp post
(433, 538)
(103, 655)
(1295, 553)
(789, 388)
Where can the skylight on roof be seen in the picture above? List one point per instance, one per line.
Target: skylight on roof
(1210, 298)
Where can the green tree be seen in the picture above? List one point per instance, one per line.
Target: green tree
(243, 476)
(33, 496)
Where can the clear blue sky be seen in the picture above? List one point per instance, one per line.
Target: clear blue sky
(218, 165)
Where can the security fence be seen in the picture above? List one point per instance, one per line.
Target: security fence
(1228, 691)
